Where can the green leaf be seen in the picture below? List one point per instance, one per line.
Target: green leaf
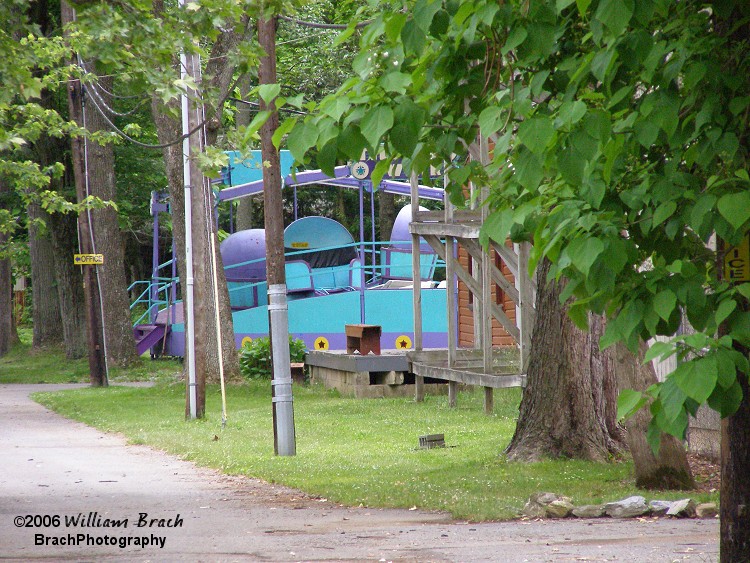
(327, 157)
(562, 4)
(697, 378)
(496, 226)
(409, 119)
(536, 133)
(268, 92)
(260, 118)
(615, 14)
(658, 350)
(490, 120)
(583, 253)
(424, 11)
(583, 5)
(744, 290)
(629, 402)
(413, 38)
(516, 37)
(282, 130)
(725, 309)
(726, 401)
(375, 123)
(351, 142)
(735, 208)
(301, 139)
(671, 399)
(727, 371)
(664, 212)
(664, 303)
(395, 82)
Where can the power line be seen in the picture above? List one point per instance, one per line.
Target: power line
(323, 25)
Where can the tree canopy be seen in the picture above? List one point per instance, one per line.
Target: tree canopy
(620, 145)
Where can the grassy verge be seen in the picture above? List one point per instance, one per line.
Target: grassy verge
(357, 451)
(25, 364)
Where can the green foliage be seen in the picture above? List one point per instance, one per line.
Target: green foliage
(255, 356)
(620, 134)
(357, 451)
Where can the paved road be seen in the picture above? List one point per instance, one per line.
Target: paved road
(54, 468)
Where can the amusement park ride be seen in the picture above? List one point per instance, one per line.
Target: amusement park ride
(332, 280)
(473, 328)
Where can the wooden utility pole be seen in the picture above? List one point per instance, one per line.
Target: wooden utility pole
(97, 366)
(278, 320)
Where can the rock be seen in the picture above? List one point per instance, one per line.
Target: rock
(560, 508)
(627, 508)
(536, 507)
(706, 510)
(684, 508)
(589, 511)
(660, 507)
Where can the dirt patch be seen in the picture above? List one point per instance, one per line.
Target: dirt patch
(707, 473)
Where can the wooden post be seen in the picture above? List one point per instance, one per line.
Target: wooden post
(278, 320)
(450, 287)
(525, 305)
(486, 277)
(97, 366)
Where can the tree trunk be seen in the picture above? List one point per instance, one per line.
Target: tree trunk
(118, 331)
(568, 407)
(69, 284)
(169, 130)
(244, 215)
(7, 326)
(670, 470)
(45, 303)
(386, 215)
(735, 485)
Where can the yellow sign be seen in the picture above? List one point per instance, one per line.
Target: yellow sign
(300, 245)
(403, 342)
(88, 259)
(247, 340)
(737, 261)
(321, 343)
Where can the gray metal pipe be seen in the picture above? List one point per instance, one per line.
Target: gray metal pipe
(283, 401)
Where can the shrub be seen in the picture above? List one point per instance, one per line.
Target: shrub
(255, 356)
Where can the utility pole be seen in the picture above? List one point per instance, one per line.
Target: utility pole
(97, 365)
(195, 400)
(278, 317)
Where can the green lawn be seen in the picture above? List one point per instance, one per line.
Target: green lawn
(25, 364)
(356, 451)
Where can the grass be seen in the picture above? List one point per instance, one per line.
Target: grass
(26, 364)
(357, 451)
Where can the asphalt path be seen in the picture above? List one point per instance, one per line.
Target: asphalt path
(70, 492)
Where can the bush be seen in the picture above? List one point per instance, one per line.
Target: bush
(255, 356)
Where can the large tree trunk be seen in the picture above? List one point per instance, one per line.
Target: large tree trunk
(118, 330)
(69, 284)
(45, 302)
(7, 326)
(207, 357)
(568, 408)
(668, 470)
(735, 484)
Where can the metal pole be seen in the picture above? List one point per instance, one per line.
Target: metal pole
(362, 253)
(372, 223)
(278, 318)
(154, 261)
(416, 282)
(189, 312)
